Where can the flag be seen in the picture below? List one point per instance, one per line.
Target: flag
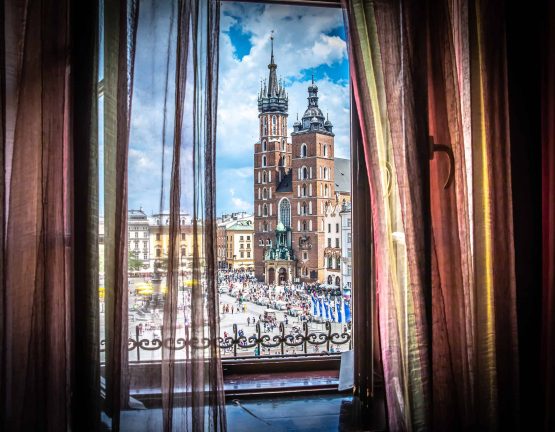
(314, 308)
(326, 308)
(347, 313)
(320, 304)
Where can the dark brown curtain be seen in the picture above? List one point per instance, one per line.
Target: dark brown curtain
(48, 365)
(548, 221)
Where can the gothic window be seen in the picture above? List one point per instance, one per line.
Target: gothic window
(264, 161)
(265, 210)
(264, 148)
(326, 190)
(325, 150)
(304, 173)
(305, 226)
(326, 175)
(265, 126)
(265, 193)
(283, 142)
(303, 190)
(303, 150)
(303, 208)
(273, 125)
(330, 265)
(265, 227)
(285, 212)
(264, 177)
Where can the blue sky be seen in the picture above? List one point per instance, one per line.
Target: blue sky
(308, 40)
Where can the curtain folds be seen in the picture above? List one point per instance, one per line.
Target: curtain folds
(444, 249)
(37, 250)
(173, 51)
(548, 222)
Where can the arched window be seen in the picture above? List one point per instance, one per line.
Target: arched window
(303, 190)
(285, 212)
(265, 226)
(265, 128)
(326, 175)
(305, 226)
(265, 193)
(264, 148)
(273, 125)
(304, 173)
(326, 190)
(337, 281)
(265, 210)
(330, 265)
(303, 208)
(330, 279)
(264, 160)
(303, 150)
(284, 143)
(264, 177)
(325, 150)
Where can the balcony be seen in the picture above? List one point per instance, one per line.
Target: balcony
(305, 342)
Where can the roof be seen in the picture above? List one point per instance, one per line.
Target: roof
(241, 225)
(342, 171)
(286, 183)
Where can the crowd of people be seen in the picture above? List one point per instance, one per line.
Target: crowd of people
(294, 299)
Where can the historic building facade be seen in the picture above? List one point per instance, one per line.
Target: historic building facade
(294, 182)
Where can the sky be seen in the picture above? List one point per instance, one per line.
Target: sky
(307, 40)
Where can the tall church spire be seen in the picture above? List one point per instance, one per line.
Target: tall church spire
(273, 97)
(273, 89)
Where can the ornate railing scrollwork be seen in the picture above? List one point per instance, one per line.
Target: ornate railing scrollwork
(301, 338)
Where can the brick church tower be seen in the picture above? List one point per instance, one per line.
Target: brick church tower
(272, 161)
(313, 185)
(292, 184)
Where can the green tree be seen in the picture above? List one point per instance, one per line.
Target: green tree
(133, 262)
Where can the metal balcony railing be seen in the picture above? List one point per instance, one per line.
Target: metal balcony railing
(236, 346)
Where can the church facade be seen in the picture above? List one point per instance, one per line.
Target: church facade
(294, 185)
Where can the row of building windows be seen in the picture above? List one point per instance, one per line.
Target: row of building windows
(264, 125)
(336, 242)
(264, 177)
(283, 145)
(329, 262)
(304, 152)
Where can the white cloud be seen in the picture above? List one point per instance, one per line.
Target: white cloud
(300, 44)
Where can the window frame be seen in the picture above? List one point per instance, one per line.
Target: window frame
(359, 272)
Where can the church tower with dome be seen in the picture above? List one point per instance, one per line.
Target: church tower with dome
(293, 183)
